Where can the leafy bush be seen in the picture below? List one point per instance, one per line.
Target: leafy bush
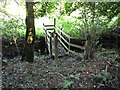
(12, 28)
(39, 32)
(71, 26)
(16, 28)
(105, 77)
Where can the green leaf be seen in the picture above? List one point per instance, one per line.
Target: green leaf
(67, 83)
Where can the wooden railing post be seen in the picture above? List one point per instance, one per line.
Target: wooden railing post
(45, 32)
(50, 46)
(54, 22)
(55, 46)
(60, 32)
(69, 45)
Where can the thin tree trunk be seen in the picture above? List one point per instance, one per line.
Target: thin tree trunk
(28, 53)
(93, 33)
(87, 36)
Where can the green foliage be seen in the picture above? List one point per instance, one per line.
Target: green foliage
(109, 9)
(109, 53)
(44, 8)
(66, 84)
(12, 28)
(113, 22)
(39, 33)
(103, 12)
(101, 23)
(104, 77)
(15, 28)
(71, 26)
(68, 7)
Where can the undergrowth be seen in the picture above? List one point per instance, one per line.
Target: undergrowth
(15, 28)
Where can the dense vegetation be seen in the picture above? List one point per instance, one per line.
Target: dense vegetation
(96, 22)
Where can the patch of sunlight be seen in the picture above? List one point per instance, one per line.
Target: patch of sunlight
(75, 13)
(14, 9)
(39, 22)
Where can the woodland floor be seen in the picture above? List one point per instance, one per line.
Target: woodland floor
(67, 72)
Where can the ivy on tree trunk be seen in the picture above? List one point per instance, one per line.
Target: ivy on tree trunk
(28, 53)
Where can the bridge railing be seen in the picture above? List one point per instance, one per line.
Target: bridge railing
(64, 38)
(55, 34)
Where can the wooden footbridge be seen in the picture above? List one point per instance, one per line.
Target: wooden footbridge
(56, 38)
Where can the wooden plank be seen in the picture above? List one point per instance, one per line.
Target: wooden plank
(73, 38)
(49, 48)
(48, 40)
(49, 28)
(48, 34)
(63, 38)
(57, 28)
(70, 44)
(63, 44)
(77, 46)
(66, 34)
(44, 29)
(48, 25)
(63, 32)
(73, 52)
(48, 45)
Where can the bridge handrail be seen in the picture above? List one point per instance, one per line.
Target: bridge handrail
(69, 44)
(61, 36)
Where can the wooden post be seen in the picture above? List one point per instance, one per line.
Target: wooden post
(60, 32)
(55, 46)
(54, 22)
(50, 46)
(45, 33)
(69, 45)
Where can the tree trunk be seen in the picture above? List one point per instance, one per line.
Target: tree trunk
(28, 53)
(87, 36)
(93, 33)
(87, 47)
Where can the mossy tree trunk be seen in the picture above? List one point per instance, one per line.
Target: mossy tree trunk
(28, 53)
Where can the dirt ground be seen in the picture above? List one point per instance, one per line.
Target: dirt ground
(68, 72)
